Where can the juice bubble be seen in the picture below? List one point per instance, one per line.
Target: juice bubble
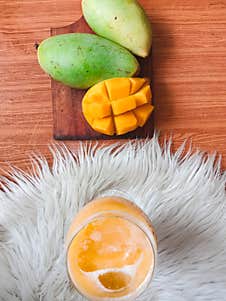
(114, 279)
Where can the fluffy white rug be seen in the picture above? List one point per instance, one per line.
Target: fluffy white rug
(184, 197)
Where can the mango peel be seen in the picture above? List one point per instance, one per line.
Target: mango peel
(122, 21)
(118, 105)
(81, 60)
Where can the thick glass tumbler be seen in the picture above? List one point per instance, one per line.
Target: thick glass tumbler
(111, 250)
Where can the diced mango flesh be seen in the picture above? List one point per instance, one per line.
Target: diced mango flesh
(118, 88)
(143, 96)
(100, 109)
(104, 126)
(137, 84)
(118, 105)
(125, 123)
(123, 105)
(142, 113)
(99, 94)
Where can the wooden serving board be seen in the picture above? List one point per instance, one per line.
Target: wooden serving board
(69, 123)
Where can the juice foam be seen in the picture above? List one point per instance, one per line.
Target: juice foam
(110, 257)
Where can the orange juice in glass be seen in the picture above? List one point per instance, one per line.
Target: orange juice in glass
(111, 250)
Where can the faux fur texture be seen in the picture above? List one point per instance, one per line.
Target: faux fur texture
(184, 197)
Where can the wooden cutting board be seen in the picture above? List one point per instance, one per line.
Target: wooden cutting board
(69, 123)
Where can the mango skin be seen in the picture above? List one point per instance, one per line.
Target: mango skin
(122, 21)
(81, 60)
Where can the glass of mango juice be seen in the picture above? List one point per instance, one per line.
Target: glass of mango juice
(111, 250)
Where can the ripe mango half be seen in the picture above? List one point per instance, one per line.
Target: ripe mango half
(118, 105)
(122, 21)
(81, 60)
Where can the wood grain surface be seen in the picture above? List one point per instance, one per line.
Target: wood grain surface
(68, 120)
(189, 65)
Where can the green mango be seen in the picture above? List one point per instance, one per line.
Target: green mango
(122, 21)
(81, 60)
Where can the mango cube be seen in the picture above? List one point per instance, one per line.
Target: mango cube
(123, 105)
(142, 113)
(99, 110)
(143, 96)
(125, 123)
(137, 84)
(118, 87)
(104, 126)
(98, 95)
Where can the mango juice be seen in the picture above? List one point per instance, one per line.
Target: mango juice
(111, 250)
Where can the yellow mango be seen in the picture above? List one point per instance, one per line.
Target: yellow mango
(125, 123)
(123, 105)
(137, 84)
(104, 126)
(143, 96)
(118, 105)
(97, 95)
(99, 110)
(118, 88)
(142, 113)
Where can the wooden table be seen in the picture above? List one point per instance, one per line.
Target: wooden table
(189, 55)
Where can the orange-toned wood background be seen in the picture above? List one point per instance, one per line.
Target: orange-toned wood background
(189, 56)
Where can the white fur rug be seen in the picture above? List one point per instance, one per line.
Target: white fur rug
(184, 197)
